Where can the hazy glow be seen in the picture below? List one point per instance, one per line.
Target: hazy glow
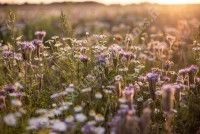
(178, 1)
(108, 1)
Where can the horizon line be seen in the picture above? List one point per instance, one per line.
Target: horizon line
(48, 3)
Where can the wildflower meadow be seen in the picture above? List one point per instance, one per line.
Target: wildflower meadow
(99, 69)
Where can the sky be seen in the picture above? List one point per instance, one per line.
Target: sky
(108, 1)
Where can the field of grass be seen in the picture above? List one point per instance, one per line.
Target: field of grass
(87, 68)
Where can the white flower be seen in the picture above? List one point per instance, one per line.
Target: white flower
(123, 106)
(59, 126)
(69, 119)
(16, 94)
(58, 44)
(107, 91)
(115, 48)
(90, 77)
(71, 85)
(41, 111)
(21, 110)
(80, 117)
(55, 37)
(18, 114)
(57, 112)
(158, 93)
(63, 108)
(19, 85)
(54, 105)
(54, 96)
(99, 130)
(67, 103)
(35, 123)
(123, 69)
(118, 77)
(16, 102)
(156, 111)
(92, 113)
(122, 100)
(10, 119)
(50, 114)
(92, 122)
(99, 118)
(86, 90)
(69, 89)
(98, 95)
(78, 109)
(63, 93)
(140, 99)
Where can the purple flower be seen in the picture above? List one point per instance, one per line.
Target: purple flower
(123, 123)
(18, 56)
(8, 54)
(10, 88)
(122, 111)
(198, 80)
(142, 78)
(192, 73)
(127, 55)
(2, 99)
(27, 46)
(193, 68)
(183, 71)
(168, 88)
(2, 105)
(166, 78)
(87, 129)
(17, 94)
(152, 76)
(37, 42)
(102, 59)
(178, 86)
(115, 48)
(115, 123)
(40, 34)
(2, 93)
(83, 58)
(168, 97)
(129, 91)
